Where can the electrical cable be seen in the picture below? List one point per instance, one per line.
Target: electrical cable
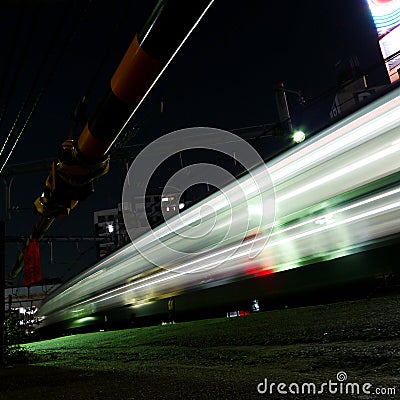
(74, 263)
(5, 71)
(49, 78)
(17, 72)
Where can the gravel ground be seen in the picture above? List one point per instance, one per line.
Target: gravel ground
(224, 358)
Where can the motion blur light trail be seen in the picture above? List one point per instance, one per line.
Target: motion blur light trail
(240, 206)
(336, 194)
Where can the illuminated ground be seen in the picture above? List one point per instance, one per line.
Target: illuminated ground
(220, 359)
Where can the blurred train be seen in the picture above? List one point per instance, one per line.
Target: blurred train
(337, 215)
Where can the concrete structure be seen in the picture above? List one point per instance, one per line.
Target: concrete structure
(353, 87)
(351, 95)
(110, 223)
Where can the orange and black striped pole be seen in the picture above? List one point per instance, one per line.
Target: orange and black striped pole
(82, 160)
(145, 59)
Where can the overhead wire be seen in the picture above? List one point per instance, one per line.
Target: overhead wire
(76, 262)
(9, 57)
(232, 26)
(51, 73)
(16, 77)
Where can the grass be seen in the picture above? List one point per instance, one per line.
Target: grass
(227, 356)
(224, 339)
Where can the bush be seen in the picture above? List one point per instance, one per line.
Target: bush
(14, 336)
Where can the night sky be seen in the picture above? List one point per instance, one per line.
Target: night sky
(223, 77)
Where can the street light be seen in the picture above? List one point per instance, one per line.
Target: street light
(298, 136)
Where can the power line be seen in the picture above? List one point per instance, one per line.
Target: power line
(10, 56)
(50, 75)
(17, 73)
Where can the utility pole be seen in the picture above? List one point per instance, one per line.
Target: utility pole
(2, 293)
(8, 181)
(282, 107)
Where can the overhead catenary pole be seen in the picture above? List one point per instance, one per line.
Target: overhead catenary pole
(7, 182)
(2, 293)
(283, 109)
(82, 160)
(285, 120)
